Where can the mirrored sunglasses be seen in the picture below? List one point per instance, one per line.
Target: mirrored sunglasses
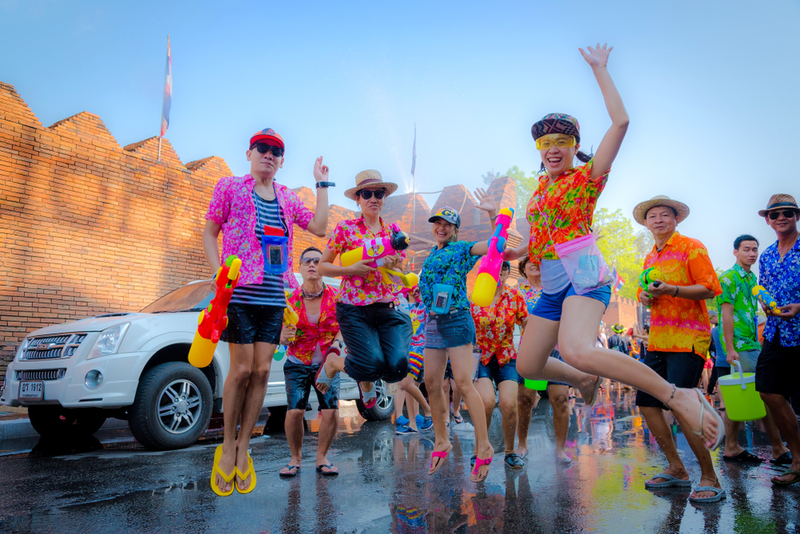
(789, 214)
(263, 148)
(309, 261)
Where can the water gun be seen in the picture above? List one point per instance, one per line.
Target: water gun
(376, 249)
(290, 317)
(214, 319)
(651, 275)
(489, 272)
(407, 282)
(765, 298)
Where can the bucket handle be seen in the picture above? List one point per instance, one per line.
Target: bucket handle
(741, 373)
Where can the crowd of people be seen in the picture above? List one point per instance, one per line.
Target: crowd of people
(376, 329)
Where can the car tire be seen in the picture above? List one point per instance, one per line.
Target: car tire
(172, 408)
(57, 421)
(383, 408)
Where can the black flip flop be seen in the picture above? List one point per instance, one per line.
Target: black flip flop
(293, 470)
(783, 459)
(744, 457)
(326, 473)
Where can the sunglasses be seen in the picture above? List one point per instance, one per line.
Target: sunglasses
(366, 194)
(550, 140)
(309, 261)
(263, 148)
(789, 214)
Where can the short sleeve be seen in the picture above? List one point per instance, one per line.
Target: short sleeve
(301, 215)
(338, 240)
(728, 286)
(522, 308)
(595, 186)
(467, 259)
(701, 270)
(220, 206)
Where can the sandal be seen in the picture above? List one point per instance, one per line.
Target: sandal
(480, 462)
(514, 461)
(783, 459)
(441, 455)
(215, 470)
(368, 398)
(329, 473)
(669, 482)
(589, 401)
(719, 494)
(705, 406)
(293, 470)
(744, 457)
(787, 482)
(243, 476)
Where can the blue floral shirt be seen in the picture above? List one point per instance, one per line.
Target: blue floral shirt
(781, 277)
(448, 265)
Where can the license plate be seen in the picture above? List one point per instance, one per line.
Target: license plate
(31, 389)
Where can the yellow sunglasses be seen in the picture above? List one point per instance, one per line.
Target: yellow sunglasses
(548, 141)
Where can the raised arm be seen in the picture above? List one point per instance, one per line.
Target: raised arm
(319, 224)
(597, 58)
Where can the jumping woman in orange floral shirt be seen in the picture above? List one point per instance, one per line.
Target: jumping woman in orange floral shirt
(575, 295)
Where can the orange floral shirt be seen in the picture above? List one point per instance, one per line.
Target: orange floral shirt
(562, 211)
(494, 326)
(309, 335)
(678, 324)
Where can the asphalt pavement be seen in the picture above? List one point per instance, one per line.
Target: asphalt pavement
(108, 483)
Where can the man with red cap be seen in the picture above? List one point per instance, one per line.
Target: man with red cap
(256, 216)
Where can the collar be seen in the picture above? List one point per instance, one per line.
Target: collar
(738, 269)
(671, 241)
(437, 249)
(360, 221)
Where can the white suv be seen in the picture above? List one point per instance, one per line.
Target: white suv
(134, 366)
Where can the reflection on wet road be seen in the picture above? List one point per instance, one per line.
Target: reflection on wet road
(384, 486)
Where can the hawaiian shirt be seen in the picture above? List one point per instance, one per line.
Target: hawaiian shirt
(781, 277)
(678, 324)
(530, 293)
(358, 290)
(494, 326)
(562, 211)
(310, 335)
(419, 318)
(737, 289)
(232, 208)
(448, 265)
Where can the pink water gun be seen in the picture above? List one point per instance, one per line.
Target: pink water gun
(377, 248)
(489, 272)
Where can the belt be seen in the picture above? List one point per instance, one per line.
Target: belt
(373, 305)
(452, 310)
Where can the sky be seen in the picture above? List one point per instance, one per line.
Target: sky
(711, 88)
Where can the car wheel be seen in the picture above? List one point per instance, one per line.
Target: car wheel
(172, 406)
(55, 420)
(383, 408)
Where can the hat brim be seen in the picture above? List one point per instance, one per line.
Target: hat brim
(389, 186)
(787, 206)
(256, 138)
(641, 209)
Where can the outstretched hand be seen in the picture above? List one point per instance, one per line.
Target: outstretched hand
(320, 171)
(597, 57)
(486, 203)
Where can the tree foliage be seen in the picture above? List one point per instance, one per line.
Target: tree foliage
(490, 177)
(622, 247)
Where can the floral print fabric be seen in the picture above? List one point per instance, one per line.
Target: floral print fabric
(309, 335)
(678, 324)
(737, 289)
(562, 211)
(530, 293)
(448, 265)
(494, 326)
(781, 277)
(357, 290)
(232, 208)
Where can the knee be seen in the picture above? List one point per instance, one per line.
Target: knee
(463, 384)
(560, 401)
(261, 372)
(240, 375)
(574, 353)
(397, 370)
(293, 417)
(508, 407)
(528, 368)
(771, 399)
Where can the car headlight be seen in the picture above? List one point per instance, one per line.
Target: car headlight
(109, 341)
(22, 348)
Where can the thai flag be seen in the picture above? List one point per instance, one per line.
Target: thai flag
(167, 92)
(618, 281)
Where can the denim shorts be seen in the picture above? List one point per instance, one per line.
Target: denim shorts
(494, 372)
(454, 329)
(549, 305)
(253, 323)
(683, 369)
(300, 379)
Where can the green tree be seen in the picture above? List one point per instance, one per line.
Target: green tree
(490, 177)
(622, 247)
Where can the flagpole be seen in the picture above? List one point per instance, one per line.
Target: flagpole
(160, 122)
(414, 184)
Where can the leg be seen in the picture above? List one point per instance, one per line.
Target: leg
(774, 435)
(786, 421)
(328, 427)
(708, 477)
(412, 390)
(294, 435)
(456, 398)
(579, 325)
(413, 411)
(508, 391)
(364, 361)
(394, 332)
(485, 389)
(525, 402)
(732, 447)
(254, 401)
(233, 398)
(298, 379)
(435, 361)
(399, 402)
(657, 423)
(559, 400)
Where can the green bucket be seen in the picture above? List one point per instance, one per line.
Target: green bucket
(538, 385)
(742, 401)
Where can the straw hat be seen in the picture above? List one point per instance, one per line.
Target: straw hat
(641, 209)
(779, 201)
(370, 179)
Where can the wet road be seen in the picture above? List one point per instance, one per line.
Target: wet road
(384, 486)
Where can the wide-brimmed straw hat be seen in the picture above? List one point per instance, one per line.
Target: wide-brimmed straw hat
(370, 179)
(778, 202)
(641, 209)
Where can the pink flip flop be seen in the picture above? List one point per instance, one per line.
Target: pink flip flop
(481, 462)
(442, 455)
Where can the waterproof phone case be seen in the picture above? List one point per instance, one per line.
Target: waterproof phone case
(275, 247)
(584, 264)
(442, 294)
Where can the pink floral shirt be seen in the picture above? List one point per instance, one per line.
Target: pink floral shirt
(232, 208)
(357, 290)
(309, 335)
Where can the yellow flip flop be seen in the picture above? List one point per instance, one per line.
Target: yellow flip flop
(250, 471)
(216, 470)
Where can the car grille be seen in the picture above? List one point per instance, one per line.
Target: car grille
(52, 347)
(41, 374)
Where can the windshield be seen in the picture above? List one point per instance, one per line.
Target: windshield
(191, 297)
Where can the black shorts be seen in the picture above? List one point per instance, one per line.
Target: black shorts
(683, 369)
(252, 323)
(300, 379)
(778, 369)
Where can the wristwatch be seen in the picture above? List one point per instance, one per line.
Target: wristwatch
(325, 184)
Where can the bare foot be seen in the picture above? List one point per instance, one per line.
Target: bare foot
(713, 482)
(484, 453)
(677, 472)
(226, 465)
(243, 465)
(562, 457)
(687, 404)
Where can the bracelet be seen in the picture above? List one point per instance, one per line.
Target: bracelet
(677, 290)
(325, 184)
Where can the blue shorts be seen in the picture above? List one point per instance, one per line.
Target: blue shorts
(494, 372)
(300, 380)
(454, 329)
(549, 305)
